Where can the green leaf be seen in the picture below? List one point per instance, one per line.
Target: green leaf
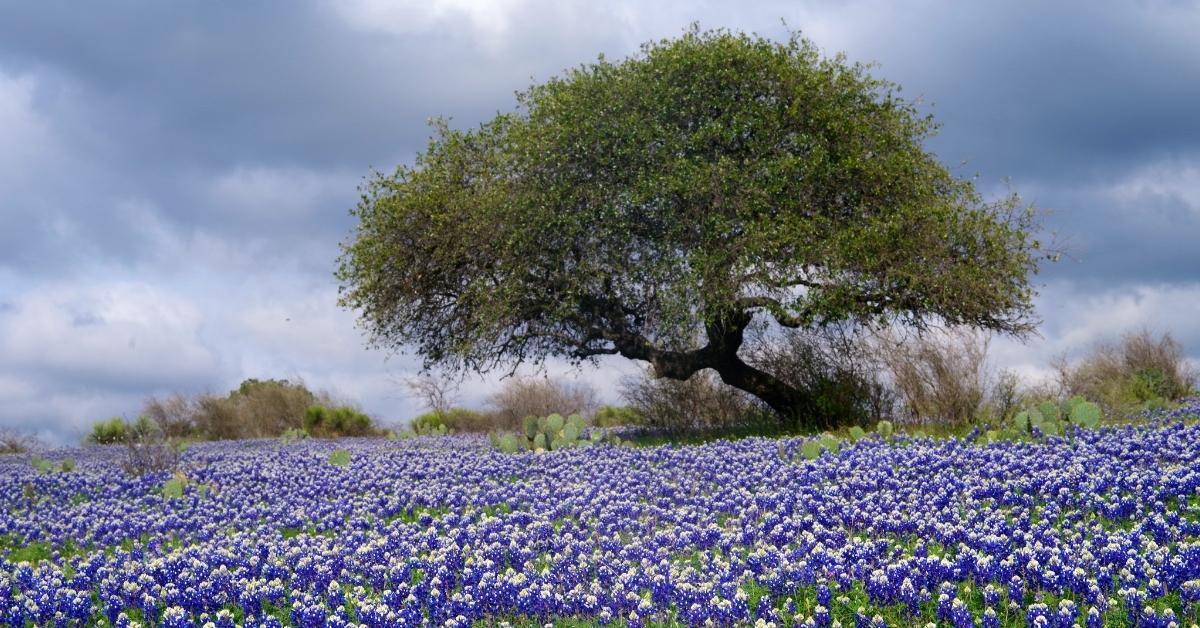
(885, 429)
(509, 444)
(632, 186)
(856, 433)
(173, 488)
(810, 449)
(1086, 414)
(339, 458)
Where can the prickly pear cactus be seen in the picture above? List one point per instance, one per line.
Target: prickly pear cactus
(1085, 414)
(509, 444)
(885, 429)
(554, 423)
(539, 442)
(573, 428)
(810, 449)
(856, 433)
(1022, 422)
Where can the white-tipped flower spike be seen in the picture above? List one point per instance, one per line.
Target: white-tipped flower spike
(450, 532)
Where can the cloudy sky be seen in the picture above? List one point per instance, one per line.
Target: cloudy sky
(175, 177)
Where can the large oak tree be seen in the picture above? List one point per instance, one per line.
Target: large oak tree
(653, 207)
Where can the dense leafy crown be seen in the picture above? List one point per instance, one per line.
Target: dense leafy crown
(628, 206)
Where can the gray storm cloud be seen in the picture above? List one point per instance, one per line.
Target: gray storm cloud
(174, 180)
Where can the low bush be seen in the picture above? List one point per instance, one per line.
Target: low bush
(428, 423)
(108, 432)
(614, 416)
(520, 397)
(836, 366)
(14, 442)
(1137, 372)
(467, 420)
(255, 409)
(175, 415)
(702, 403)
(325, 422)
(939, 376)
(148, 449)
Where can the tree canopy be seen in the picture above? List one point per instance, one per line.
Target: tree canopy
(653, 207)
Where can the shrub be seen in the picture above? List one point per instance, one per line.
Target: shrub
(293, 435)
(14, 442)
(939, 376)
(148, 449)
(112, 431)
(321, 421)
(613, 416)
(700, 403)
(540, 396)
(270, 407)
(256, 409)
(836, 366)
(1137, 371)
(466, 420)
(428, 422)
(175, 415)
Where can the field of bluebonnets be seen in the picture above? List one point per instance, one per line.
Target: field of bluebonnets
(1093, 527)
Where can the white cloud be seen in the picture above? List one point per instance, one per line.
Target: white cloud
(28, 135)
(117, 333)
(277, 195)
(1078, 317)
(489, 18)
(1177, 181)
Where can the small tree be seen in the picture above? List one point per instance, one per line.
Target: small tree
(654, 207)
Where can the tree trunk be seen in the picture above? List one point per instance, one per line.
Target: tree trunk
(725, 338)
(791, 403)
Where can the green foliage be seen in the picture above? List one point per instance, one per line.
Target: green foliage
(339, 458)
(509, 444)
(173, 488)
(1050, 417)
(627, 207)
(326, 422)
(856, 433)
(293, 435)
(431, 423)
(112, 431)
(42, 465)
(810, 449)
(551, 433)
(67, 465)
(613, 416)
(830, 443)
(1140, 371)
(885, 429)
(1084, 413)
